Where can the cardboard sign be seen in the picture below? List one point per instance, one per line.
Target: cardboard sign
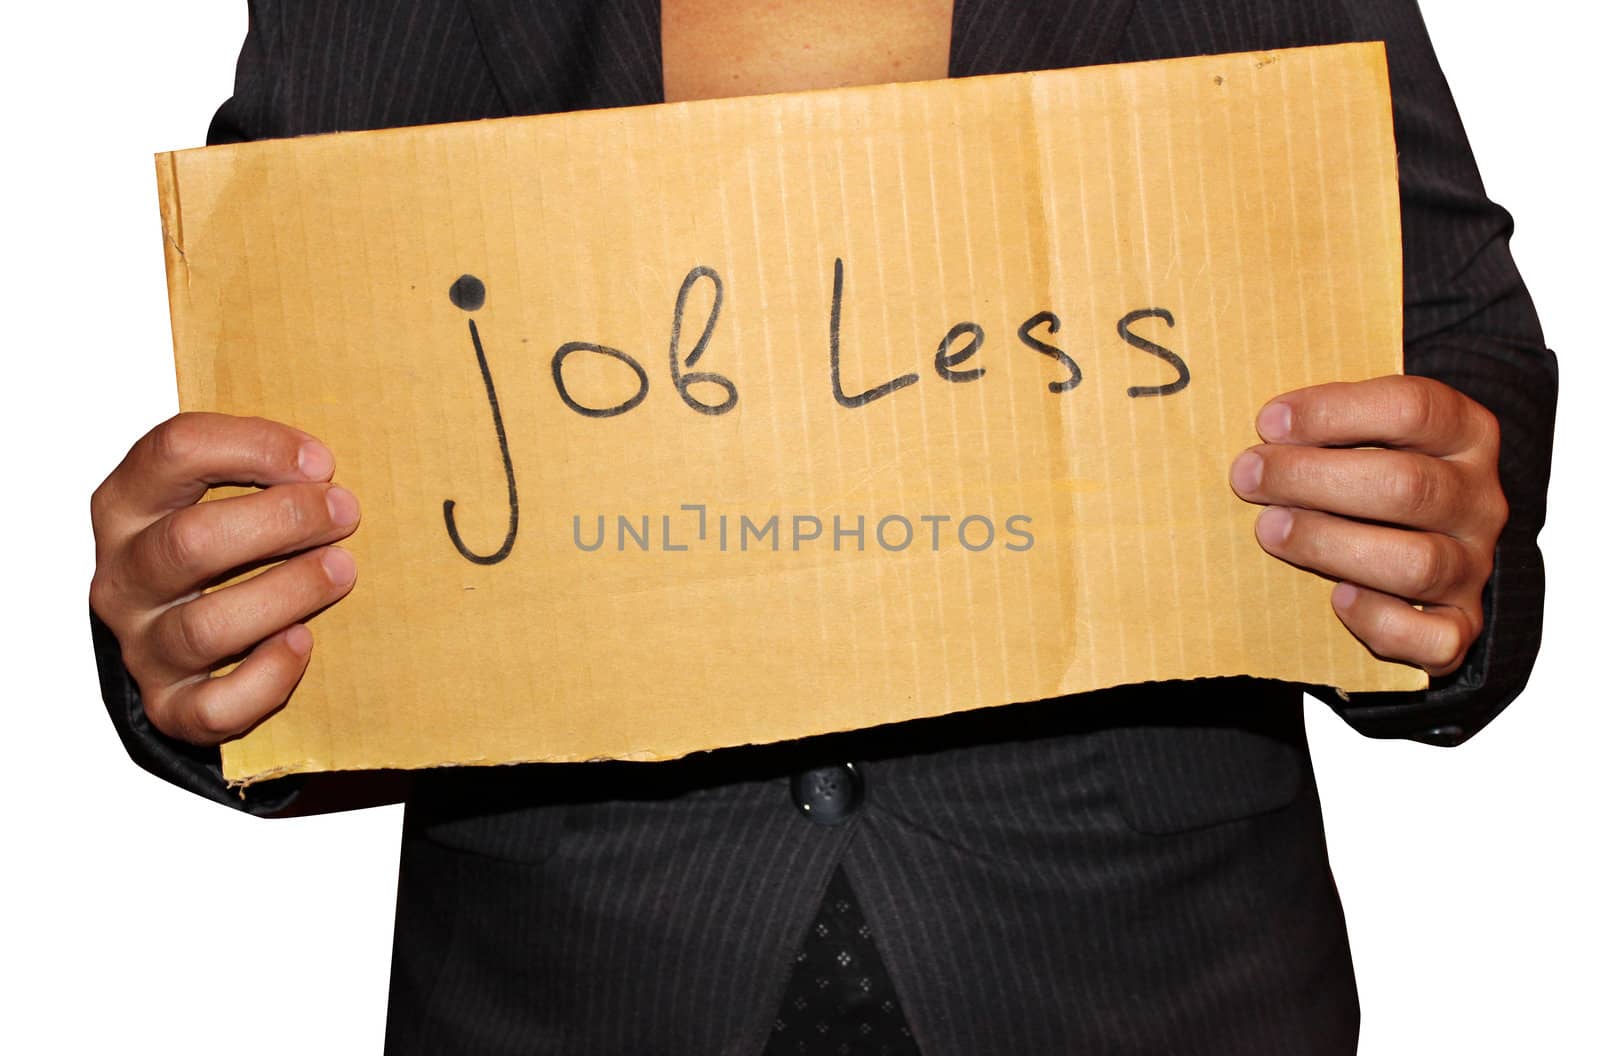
(734, 421)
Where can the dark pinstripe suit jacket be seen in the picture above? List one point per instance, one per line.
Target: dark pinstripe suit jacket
(1140, 870)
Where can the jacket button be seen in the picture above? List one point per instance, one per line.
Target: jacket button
(1444, 736)
(829, 794)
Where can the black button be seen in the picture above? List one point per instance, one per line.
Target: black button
(1444, 736)
(829, 794)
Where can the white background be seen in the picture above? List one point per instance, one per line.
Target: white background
(140, 919)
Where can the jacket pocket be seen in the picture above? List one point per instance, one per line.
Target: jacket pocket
(1214, 751)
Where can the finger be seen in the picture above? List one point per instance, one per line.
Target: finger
(1396, 487)
(1435, 639)
(193, 546)
(1400, 411)
(209, 710)
(198, 634)
(1420, 566)
(173, 464)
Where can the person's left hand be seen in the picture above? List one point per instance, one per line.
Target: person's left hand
(1413, 519)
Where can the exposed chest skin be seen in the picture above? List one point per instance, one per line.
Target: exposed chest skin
(713, 48)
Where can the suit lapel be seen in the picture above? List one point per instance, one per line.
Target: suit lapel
(1004, 36)
(548, 56)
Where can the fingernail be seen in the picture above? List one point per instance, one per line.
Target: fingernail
(298, 639)
(1344, 596)
(1273, 422)
(315, 460)
(1246, 472)
(339, 566)
(1272, 527)
(342, 507)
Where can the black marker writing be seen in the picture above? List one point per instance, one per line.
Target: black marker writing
(875, 393)
(1164, 354)
(467, 293)
(572, 347)
(945, 361)
(683, 381)
(1052, 323)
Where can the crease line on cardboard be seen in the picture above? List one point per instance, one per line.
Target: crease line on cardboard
(1032, 93)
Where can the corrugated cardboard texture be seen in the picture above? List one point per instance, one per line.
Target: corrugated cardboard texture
(1205, 233)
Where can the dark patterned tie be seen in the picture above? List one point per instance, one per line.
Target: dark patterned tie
(839, 1000)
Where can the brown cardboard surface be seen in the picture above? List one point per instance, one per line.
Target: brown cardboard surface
(1236, 214)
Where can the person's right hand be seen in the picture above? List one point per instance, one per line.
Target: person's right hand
(157, 548)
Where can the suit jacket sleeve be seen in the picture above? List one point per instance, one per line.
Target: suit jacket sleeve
(198, 770)
(1470, 323)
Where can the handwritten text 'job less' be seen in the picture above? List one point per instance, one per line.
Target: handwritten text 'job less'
(955, 351)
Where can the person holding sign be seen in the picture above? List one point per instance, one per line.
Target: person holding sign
(1142, 869)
